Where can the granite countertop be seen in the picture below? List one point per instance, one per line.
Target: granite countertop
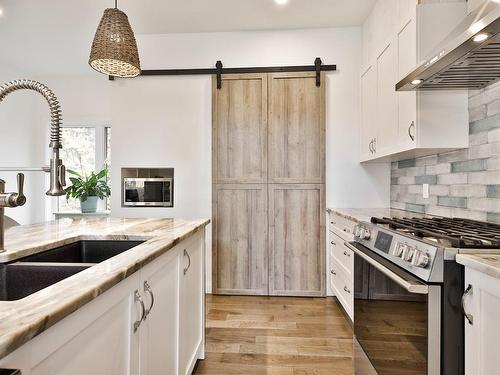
(485, 263)
(24, 319)
(365, 214)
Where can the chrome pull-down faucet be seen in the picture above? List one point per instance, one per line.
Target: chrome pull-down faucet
(57, 170)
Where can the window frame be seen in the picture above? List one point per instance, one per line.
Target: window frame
(101, 133)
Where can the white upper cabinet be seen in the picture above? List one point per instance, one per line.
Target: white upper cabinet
(409, 124)
(386, 100)
(368, 112)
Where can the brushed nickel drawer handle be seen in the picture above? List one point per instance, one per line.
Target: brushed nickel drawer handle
(347, 254)
(347, 290)
(467, 293)
(333, 243)
(333, 272)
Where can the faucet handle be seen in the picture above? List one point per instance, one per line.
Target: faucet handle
(62, 174)
(20, 199)
(20, 184)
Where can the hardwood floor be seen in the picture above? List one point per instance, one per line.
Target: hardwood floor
(276, 336)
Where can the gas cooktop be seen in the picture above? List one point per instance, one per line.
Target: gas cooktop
(421, 245)
(446, 232)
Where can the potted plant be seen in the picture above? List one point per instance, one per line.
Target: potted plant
(88, 189)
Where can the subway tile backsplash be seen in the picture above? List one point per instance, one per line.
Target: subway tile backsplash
(462, 183)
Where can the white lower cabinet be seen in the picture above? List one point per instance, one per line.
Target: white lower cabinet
(159, 331)
(482, 304)
(151, 323)
(192, 308)
(341, 262)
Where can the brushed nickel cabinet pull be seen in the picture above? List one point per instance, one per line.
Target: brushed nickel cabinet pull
(147, 289)
(469, 317)
(186, 254)
(138, 298)
(347, 290)
(412, 125)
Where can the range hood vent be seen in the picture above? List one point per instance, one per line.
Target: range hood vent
(460, 62)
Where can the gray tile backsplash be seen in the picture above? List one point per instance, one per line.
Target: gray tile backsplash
(462, 183)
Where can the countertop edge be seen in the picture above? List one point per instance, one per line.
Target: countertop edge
(357, 215)
(478, 262)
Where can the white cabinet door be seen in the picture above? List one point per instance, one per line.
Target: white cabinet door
(368, 112)
(407, 101)
(481, 337)
(386, 101)
(97, 339)
(192, 302)
(160, 329)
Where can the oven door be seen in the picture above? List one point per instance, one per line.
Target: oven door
(397, 318)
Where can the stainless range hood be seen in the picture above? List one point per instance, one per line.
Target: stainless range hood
(464, 60)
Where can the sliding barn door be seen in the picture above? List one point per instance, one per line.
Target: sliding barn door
(268, 185)
(239, 167)
(296, 196)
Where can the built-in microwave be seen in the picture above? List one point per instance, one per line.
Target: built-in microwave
(148, 192)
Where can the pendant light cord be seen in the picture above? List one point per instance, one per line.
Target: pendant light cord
(116, 4)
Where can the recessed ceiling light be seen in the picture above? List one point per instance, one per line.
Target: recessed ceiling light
(416, 82)
(1, 11)
(480, 37)
(281, 2)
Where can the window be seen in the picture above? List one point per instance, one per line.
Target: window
(86, 149)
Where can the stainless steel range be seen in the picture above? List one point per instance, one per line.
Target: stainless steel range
(408, 316)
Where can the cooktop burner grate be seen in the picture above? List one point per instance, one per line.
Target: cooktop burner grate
(448, 232)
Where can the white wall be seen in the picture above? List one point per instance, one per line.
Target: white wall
(22, 142)
(348, 183)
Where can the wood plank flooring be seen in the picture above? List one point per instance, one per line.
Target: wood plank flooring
(276, 336)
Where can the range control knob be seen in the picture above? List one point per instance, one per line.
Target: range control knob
(357, 230)
(420, 259)
(408, 252)
(368, 234)
(398, 249)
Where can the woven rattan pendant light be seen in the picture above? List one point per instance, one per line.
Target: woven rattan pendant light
(114, 50)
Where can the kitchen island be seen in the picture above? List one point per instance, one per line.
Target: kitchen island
(137, 311)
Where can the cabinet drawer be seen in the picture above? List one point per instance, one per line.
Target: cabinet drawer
(342, 285)
(341, 224)
(340, 254)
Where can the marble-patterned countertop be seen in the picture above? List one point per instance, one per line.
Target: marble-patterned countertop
(365, 214)
(26, 318)
(485, 263)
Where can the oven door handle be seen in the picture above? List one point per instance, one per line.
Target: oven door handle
(410, 286)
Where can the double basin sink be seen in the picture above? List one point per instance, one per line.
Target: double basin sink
(36, 272)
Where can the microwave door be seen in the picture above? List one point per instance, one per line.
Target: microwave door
(153, 191)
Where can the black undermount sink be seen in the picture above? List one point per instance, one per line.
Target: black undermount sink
(94, 251)
(20, 280)
(28, 275)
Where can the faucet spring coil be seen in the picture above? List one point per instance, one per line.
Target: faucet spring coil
(55, 108)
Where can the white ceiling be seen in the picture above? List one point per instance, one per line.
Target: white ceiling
(34, 33)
